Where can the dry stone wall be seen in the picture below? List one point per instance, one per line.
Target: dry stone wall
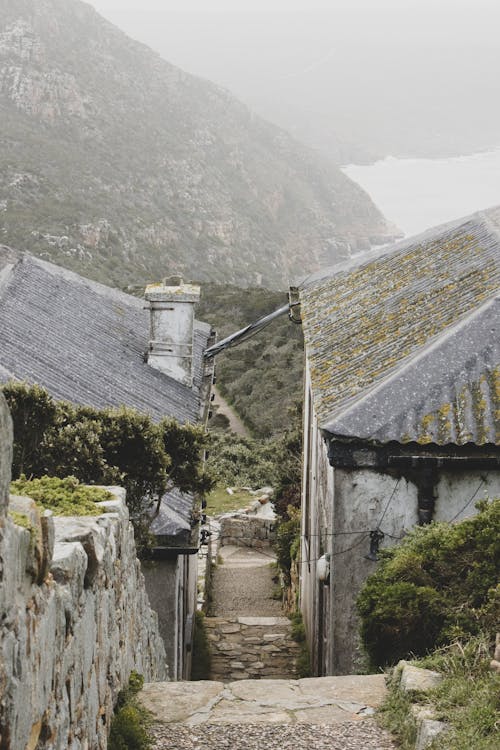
(243, 530)
(251, 647)
(74, 621)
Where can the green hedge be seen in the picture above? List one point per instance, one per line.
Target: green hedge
(440, 584)
(104, 446)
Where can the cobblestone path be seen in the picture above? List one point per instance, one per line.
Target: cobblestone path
(248, 635)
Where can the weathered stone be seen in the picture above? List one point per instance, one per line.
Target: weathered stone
(264, 621)
(416, 678)
(229, 628)
(370, 689)
(67, 646)
(5, 453)
(325, 715)
(171, 702)
(229, 712)
(428, 730)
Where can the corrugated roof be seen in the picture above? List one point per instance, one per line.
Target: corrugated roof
(404, 345)
(85, 342)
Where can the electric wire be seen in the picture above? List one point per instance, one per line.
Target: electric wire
(366, 533)
(483, 481)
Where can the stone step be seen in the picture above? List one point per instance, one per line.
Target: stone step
(251, 647)
(314, 701)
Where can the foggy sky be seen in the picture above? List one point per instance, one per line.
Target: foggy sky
(389, 76)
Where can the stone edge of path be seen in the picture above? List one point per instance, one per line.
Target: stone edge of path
(321, 700)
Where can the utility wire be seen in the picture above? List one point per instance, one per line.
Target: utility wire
(366, 532)
(483, 481)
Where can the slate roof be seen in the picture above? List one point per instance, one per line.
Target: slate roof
(173, 521)
(85, 342)
(404, 344)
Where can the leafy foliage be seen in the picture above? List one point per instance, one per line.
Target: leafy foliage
(108, 446)
(441, 583)
(468, 698)
(287, 542)
(129, 726)
(239, 461)
(64, 497)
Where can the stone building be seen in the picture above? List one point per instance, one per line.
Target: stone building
(402, 411)
(93, 345)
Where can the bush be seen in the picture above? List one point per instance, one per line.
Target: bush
(287, 542)
(240, 461)
(440, 584)
(468, 698)
(64, 497)
(105, 446)
(129, 726)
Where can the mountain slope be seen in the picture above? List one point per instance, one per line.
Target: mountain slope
(118, 164)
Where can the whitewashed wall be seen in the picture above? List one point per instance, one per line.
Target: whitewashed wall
(343, 505)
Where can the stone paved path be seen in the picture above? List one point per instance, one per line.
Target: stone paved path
(249, 636)
(242, 584)
(247, 632)
(320, 712)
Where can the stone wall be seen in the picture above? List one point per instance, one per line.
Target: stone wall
(251, 647)
(244, 530)
(74, 621)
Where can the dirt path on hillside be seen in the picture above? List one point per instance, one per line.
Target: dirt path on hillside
(235, 423)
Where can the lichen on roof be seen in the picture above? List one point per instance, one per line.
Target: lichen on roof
(363, 323)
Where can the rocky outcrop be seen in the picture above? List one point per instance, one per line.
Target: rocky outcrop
(74, 621)
(136, 169)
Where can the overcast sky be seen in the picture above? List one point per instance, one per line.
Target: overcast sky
(356, 67)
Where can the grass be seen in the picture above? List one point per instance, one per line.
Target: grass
(219, 501)
(468, 699)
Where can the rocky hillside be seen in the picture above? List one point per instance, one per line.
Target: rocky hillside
(121, 166)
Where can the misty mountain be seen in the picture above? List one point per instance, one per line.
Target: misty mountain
(122, 166)
(361, 80)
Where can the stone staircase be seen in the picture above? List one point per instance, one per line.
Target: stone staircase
(251, 647)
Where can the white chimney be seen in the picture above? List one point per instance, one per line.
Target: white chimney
(172, 327)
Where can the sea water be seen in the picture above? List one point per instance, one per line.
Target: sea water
(417, 194)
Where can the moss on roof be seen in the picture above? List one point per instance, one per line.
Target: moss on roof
(362, 324)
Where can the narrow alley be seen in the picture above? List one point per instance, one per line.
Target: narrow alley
(254, 699)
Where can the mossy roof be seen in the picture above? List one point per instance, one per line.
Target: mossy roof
(404, 344)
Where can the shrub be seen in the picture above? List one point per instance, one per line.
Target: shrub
(467, 699)
(287, 542)
(64, 497)
(105, 446)
(129, 726)
(441, 583)
(239, 461)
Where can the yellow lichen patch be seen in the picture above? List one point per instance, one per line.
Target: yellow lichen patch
(363, 323)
